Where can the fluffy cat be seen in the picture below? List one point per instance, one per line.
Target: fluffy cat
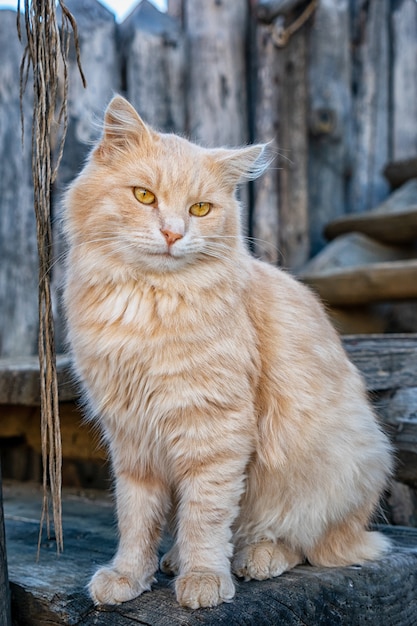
(228, 405)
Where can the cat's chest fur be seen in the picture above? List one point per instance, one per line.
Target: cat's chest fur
(147, 350)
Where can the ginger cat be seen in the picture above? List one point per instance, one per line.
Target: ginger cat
(228, 405)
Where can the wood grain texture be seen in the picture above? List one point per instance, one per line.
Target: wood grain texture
(294, 243)
(18, 250)
(217, 89)
(392, 221)
(404, 78)
(371, 103)
(386, 361)
(154, 57)
(330, 116)
(53, 590)
(19, 380)
(266, 100)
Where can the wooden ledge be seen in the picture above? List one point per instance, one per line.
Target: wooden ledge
(19, 380)
(393, 221)
(52, 591)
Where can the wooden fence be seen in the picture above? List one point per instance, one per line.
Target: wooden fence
(332, 83)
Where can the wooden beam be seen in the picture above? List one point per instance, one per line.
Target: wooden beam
(19, 380)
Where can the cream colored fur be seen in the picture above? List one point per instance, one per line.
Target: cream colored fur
(226, 400)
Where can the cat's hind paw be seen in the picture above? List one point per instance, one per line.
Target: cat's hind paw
(109, 586)
(263, 560)
(203, 589)
(169, 562)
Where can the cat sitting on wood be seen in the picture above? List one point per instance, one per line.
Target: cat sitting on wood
(228, 405)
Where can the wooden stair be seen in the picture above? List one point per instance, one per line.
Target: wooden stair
(369, 270)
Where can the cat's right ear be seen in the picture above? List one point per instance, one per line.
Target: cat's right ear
(123, 128)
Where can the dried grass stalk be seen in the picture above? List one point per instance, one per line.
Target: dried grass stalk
(46, 47)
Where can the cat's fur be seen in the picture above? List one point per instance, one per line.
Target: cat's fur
(227, 402)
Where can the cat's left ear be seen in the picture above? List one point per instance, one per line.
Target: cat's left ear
(122, 128)
(243, 163)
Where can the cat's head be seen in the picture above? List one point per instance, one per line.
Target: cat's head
(155, 201)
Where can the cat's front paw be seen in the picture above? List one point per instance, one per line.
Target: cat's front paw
(109, 586)
(202, 589)
(263, 560)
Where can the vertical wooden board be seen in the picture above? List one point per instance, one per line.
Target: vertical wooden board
(265, 211)
(18, 248)
(217, 88)
(100, 63)
(329, 94)
(293, 145)
(154, 54)
(404, 78)
(371, 103)
(217, 100)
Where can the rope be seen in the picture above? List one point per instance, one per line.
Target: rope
(45, 48)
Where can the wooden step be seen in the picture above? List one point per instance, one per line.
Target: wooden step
(355, 269)
(53, 590)
(19, 380)
(394, 221)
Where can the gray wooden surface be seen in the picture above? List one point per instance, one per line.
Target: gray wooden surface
(52, 591)
(18, 250)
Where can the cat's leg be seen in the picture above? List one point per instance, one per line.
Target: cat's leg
(207, 507)
(140, 510)
(265, 559)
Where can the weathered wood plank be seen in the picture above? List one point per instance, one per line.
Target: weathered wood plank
(393, 221)
(376, 282)
(330, 116)
(294, 244)
(19, 380)
(386, 361)
(217, 89)
(154, 56)
(404, 78)
(266, 97)
(355, 270)
(371, 103)
(53, 590)
(18, 251)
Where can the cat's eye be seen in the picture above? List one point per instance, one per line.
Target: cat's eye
(144, 195)
(200, 209)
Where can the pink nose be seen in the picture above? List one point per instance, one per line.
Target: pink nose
(170, 236)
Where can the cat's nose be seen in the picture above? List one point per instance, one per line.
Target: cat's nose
(170, 236)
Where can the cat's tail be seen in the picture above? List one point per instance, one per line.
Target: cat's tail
(348, 543)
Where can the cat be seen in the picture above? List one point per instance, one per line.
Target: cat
(229, 408)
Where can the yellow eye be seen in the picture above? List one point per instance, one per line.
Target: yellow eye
(200, 209)
(144, 195)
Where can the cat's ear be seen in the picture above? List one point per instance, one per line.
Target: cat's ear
(123, 127)
(243, 163)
